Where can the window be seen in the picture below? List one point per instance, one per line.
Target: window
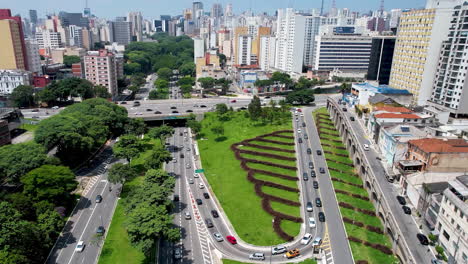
(446, 235)
(440, 226)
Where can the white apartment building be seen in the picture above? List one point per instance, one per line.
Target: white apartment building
(48, 39)
(267, 52)
(34, 59)
(244, 50)
(450, 88)
(452, 220)
(198, 48)
(10, 79)
(136, 21)
(101, 69)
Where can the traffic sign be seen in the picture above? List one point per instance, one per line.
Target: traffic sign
(199, 170)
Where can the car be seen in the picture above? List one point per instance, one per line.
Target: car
(317, 241)
(199, 201)
(182, 156)
(80, 246)
(187, 149)
(319, 152)
(196, 175)
(157, 112)
(201, 186)
(306, 137)
(309, 151)
(292, 253)
(305, 176)
(191, 181)
(299, 131)
(366, 147)
(406, 209)
(321, 170)
(311, 165)
(98, 198)
(306, 239)
(203, 106)
(35, 110)
(136, 103)
(302, 115)
(233, 101)
(231, 240)
(120, 103)
(321, 217)
(175, 112)
(318, 202)
(243, 108)
(188, 166)
(206, 195)
(176, 198)
(309, 207)
(209, 223)
(187, 215)
(173, 107)
(35, 117)
(174, 160)
(149, 110)
(303, 124)
(352, 118)
(401, 200)
(436, 261)
(218, 237)
(300, 140)
(189, 111)
(257, 256)
(267, 97)
(312, 223)
(315, 183)
(278, 250)
(296, 114)
(178, 253)
(195, 105)
(214, 213)
(345, 109)
(422, 239)
(312, 174)
(100, 230)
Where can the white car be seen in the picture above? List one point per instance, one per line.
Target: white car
(257, 256)
(196, 175)
(302, 114)
(218, 237)
(366, 147)
(201, 186)
(190, 180)
(317, 241)
(299, 131)
(174, 160)
(312, 222)
(306, 239)
(278, 250)
(188, 166)
(80, 246)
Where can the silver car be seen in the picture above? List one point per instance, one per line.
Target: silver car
(278, 250)
(190, 180)
(257, 256)
(218, 237)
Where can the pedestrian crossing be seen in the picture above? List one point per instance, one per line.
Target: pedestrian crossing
(203, 235)
(326, 247)
(89, 185)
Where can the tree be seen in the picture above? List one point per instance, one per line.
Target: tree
(101, 92)
(69, 60)
(153, 95)
(131, 68)
(195, 126)
(224, 83)
(135, 126)
(206, 82)
(221, 109)
(302, 97)
(161, 132)
(17, 160)
(186, 88)
(164, 73)
(186, 81)
(161, 84)
(157, 157)
(255, 108)
(23, 96)
(187, 69)
(49, 224)
(128, 147)
(50, 183)
(218, 130)
(46, 96)
(120, 172)
(222, 59)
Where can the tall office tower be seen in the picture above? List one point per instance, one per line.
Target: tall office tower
(76, 19)
(198, 48)
(121, 32)
(12, 47)
(33, 16)
(414, 64)
(76, 36)
(197, 13)
(106, 33)
(47, 39)
(312, 29)
(216, 10)
(267, 52)
(34, 59)
(381, 57)
(188, 15)
(165, 19)
(100, 69)
(147, 27)
(228, 11)
(246, 43)
(450, 87)
(136, 21)
(395, 17)
(87, 38)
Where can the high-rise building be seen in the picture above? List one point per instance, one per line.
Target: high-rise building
(121, 32)
(395, 17)
(228, 11)
(34, 59)
(12, 47)
(76, 19)
(76, 36)
(136, 22)
(414, 64)
(247, 44)
(381, 57)
(100, 69)
(199, 48)
(197, 13)
(216, 10)
(450, 87)
(33, 16)
(267, 52)
(47, 39)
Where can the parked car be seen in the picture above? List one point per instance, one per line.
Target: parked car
(299, 130)
(209, 223)
(321, 217)
(422, 239)
(305, 176)
(187, 215)
(309, 207)
(176, 198)
(178, 253)
(315, 184)
(292, 253)
(214, 213)
(406, 209)
(352, 118)
(278, 250)
(312, 223)
(206, 195)
(98, 198)
(306, 239)
(311, 165)
(401, 200)
(257, 256)
(322, 170)
(80, 246)
(319, 152)
(231, 240)
(199, 201)
(317, 241)
(218, 237)
(318, 202)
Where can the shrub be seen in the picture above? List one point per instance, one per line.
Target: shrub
(355, 239)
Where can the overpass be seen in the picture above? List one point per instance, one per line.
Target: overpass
(400, 228)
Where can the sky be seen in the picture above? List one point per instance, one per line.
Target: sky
(152, 9)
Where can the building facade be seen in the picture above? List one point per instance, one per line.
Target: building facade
(34, 59)
(47, 39)
(100, 69)
(136, 21)
(10, 79)
(121, 32)
(12, 47)
(381, 58)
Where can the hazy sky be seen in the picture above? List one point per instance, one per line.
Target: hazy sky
(154, 8)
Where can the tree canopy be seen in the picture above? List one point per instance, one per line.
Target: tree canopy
(23, 96)
(161, 132)
(69, 60)
(120, 172)
(128, 147)
(302, 97)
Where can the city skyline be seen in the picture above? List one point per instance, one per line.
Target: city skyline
(102, 8)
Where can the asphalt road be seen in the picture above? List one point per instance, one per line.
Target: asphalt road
(405, 222)
(146, 89)
(86, 218)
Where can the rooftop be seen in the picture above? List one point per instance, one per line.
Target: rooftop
(383, 89)
(392, 109)
(441, 145)
(393, 115)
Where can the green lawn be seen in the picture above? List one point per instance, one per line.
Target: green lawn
(263, 158)
(281, 181)
(228, 261)
(229, 182)
(268, 144)
(281, 153)
(29, 127)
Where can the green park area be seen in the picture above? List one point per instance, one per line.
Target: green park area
(228, 261)
(364, 229)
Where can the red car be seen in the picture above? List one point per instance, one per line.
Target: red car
(233, 101)
(231, 240)
(299, 110)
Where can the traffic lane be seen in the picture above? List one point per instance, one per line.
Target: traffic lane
(337, 233)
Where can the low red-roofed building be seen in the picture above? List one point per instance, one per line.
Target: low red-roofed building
(392, 109)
